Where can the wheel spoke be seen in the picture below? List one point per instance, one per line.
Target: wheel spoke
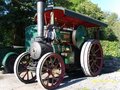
(53, 78)
(32, 74)
(56, 66)
(97, 50)
(99, 58)
(93, 48)
(93, 67)
(97, 67)
(25, 74)
(92, 64)
(98, 64)
(51, 60)
(55, 59)
(45, 68)
(91, 60)
(28, 75)
(46, 80)
(47, 64)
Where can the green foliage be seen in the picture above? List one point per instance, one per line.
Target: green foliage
(111, 32)
(90, 9)
(20, 14)
(111, 48)
(110, 18)
(4, 40)
(108, 34)
(75, 3)
(116, 29)
(66, 3)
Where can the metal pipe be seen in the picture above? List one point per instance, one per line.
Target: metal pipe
(52, 22)
(40, 17)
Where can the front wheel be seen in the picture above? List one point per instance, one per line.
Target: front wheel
(91, 58)
(50, 70)
(21, 68)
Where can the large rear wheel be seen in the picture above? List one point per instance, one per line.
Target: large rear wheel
(50, 70)
(21, 68)
(91, 58)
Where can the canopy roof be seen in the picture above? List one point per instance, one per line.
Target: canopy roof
(68, 18)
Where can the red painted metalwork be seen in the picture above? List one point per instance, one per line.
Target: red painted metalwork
(65, 21)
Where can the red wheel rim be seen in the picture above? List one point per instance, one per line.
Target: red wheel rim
(95, 58)
(52, 71)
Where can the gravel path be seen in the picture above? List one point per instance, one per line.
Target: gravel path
(108, 80)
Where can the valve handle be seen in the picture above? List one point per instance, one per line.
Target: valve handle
(48, 2)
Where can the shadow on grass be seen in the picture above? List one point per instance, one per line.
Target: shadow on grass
(111, 64)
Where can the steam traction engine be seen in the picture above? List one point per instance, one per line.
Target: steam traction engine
(62, 45)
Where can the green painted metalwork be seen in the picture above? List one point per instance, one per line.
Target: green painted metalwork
(66, 36)
(58, 37)
(80, 36)
(68, 54)
(65, 51)
(6, 57)
(30, 34)
(4, 53)
(57, 48)
(69, 59)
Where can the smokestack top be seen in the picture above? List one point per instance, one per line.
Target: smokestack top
(42, 0)
(40, 17)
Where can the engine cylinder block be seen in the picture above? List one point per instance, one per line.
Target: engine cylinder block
(38, 49)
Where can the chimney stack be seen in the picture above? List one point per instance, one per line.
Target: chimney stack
(40, 17)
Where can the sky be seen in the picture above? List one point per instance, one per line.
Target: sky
(109, 5)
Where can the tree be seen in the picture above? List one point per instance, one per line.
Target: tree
(69, 4)
(116, 29)
(20, 14)
(110, 18)
(75, 4)
(66, 3)
(90, 9)
(111, 32)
